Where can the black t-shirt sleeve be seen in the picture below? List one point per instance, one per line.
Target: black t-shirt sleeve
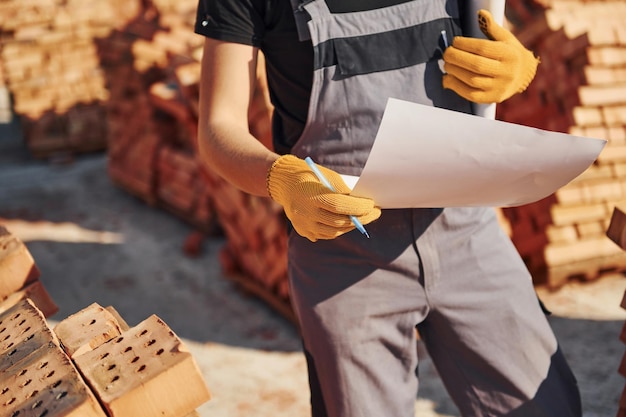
(238, 21)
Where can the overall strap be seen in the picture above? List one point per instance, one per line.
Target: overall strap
(305, 10)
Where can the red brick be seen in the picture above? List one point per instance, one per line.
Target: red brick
(87, 329)
(145, 371)
(17, 266)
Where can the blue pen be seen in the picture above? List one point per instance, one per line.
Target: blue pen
(328, 185)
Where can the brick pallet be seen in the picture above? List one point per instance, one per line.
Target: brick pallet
(50, 67)
(154, 156)
(151, 126)
(91, 364)
(580, 88)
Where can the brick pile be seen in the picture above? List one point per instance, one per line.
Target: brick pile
(91, 364)
(48, 63)
(151, 122)
(580, 88)
(153, 69)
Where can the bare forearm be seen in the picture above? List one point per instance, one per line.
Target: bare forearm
(233, 153)
(226, 146)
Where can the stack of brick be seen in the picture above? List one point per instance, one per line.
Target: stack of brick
(51, 69)
(145, 370)
(580, 88)
(19, 276)
(152, 126)
(93, 365)
(38, 378)
(255, 254)
(153, 67)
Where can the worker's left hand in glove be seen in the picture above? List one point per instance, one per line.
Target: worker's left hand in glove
(488, 70)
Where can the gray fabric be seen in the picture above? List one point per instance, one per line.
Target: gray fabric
(453, 273)
(473, 302)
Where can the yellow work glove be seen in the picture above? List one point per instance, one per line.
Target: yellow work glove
(488, 70)
(315, 211)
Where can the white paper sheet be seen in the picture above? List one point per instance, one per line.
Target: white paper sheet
(429, 157)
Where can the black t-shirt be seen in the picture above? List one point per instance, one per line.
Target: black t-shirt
(270, 26)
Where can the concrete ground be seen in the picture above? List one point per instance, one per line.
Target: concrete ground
(95, 243)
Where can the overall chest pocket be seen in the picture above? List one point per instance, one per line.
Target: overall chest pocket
(395, 49)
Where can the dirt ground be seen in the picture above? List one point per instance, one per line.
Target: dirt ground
(95, 243)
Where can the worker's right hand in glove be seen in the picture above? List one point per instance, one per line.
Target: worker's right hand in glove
(315, 211)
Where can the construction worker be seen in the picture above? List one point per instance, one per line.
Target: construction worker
(451, 272)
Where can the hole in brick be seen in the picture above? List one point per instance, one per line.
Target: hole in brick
(111, 367)
(5, 390)
(115, 378)
(3, 329)
(11, 401)
(44, 413)
(104, 355)
(135, 359)
(50, 374)
(159, 352)
(143, 332)
(28, 381)
(37, 404)
(6, 337)
(150, 343)
(128, 349)
(25, 330)
(56, 384)
(43, 365)
(92, 322)
(22, 322)
(32, 394)
(22, 372)
(141, 368)
(15, 413)
(29, 337)
(13, 352)
(16, 316)
(119, 339)
(61, 395)
(10, 345)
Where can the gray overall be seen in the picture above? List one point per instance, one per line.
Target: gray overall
(451, 272)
